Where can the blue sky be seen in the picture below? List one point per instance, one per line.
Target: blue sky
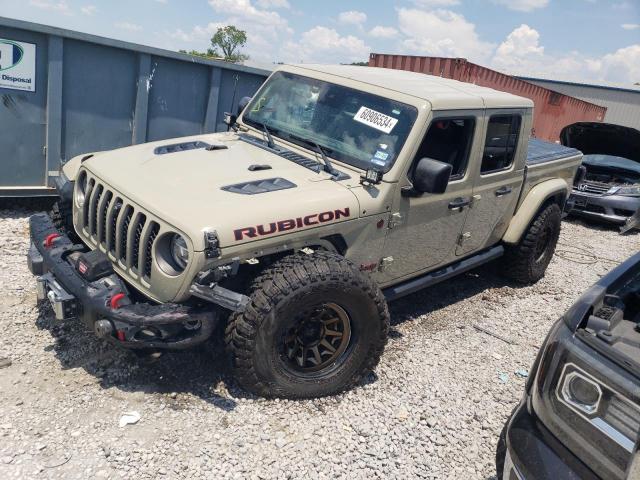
(585, 40)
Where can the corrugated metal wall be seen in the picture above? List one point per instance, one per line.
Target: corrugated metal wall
(552, 111)
(95, 93)
(623, 105)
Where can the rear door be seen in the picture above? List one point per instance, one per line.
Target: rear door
(498, 178)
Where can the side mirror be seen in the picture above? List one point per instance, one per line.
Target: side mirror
(431, 176)
(230, 118)
(244, 101)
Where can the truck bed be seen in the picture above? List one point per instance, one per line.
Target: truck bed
(549, 161)
(540, 151)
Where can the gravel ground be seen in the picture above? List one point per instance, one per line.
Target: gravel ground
(433, 409)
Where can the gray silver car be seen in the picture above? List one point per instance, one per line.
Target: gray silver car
(608, 187)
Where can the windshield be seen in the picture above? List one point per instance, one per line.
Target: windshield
(352, 126)
(612, 162)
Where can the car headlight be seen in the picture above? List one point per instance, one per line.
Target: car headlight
(630, 190)
(179, 251)
(81, 188)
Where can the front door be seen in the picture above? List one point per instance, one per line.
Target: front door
(427, 227)
(497, 182)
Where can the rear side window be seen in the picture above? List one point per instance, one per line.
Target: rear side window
(501, 143)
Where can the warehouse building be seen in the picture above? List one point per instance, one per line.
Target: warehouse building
(622, 102)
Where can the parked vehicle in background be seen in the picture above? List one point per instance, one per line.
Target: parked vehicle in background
(608, 188)
(580, 414)
(338, 189)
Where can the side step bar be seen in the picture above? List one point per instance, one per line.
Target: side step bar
(431, 278)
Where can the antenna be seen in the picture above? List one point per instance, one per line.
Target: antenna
(233, 98)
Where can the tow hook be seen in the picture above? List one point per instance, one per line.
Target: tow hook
(224, 297)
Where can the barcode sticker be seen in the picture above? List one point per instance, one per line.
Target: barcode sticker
(376, 120)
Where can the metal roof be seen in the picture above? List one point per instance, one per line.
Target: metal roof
(603, 85)
(440, 92)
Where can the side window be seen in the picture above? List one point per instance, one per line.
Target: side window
(448, 140)
(501, 143)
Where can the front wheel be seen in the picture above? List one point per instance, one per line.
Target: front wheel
(314, 326)
(527, 261)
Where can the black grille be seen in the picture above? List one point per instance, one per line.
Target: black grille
(102, 230)
(153, 234)
(136, 240)
(87, 200)
(128, 214)
(95, 203)
(117, 206)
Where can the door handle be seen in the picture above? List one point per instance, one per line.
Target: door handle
(459, 203)
(503, 191)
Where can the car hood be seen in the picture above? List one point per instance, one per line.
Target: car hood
(602, 138)
(190, 189)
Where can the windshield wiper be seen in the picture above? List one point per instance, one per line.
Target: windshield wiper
(328, 166)
(270, 143)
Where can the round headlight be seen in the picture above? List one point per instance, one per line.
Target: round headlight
(179, 251)
(81, 188)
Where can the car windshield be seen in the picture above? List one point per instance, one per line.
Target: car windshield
(612, 162)
(351, 126)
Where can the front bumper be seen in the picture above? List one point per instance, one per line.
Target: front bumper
(105, 304)
(609, 208)
(534, 453)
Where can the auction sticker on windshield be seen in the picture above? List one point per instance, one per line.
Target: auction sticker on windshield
(376, 120)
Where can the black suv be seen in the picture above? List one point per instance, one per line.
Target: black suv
(580, 414)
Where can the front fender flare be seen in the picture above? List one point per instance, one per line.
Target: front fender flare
(530, 206)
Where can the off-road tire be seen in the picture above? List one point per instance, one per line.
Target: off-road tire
(527, 261)
(62, 217)
(254, 336)
(501, 452)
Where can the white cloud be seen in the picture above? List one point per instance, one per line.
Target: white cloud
(56, 6)
(325, 45)
(436, 3)
(273, 3)
(630, 26)
(128, 26)
(162, 1)
(89, 10)
(521, 53)
(383, 32)
(441, 33)
(265, 28)
(352, 17)
(523, 5)
(621, 65)
(519, 49)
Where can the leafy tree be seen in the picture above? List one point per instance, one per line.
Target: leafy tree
(226, 43)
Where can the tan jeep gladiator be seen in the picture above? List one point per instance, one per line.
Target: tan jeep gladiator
(335, 190)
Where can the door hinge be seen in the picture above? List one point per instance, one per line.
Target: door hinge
(462, 237)
(385, 263)
(44, 151)
(395, 219)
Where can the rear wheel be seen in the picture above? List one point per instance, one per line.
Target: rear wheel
(315, 325)
(527, 261)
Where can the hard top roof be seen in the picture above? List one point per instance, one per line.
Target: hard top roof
(442, 93)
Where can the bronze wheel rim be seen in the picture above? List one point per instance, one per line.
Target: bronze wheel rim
(317, 338)
(541, 248)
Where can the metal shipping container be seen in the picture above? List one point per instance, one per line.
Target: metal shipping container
(552, 111)
(92, 93)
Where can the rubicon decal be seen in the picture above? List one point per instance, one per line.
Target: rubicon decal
(290, 224)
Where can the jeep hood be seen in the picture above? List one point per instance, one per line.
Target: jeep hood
(602, 138)
(185, 189)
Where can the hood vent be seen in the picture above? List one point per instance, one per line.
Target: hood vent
(260, 186)
(180, 147)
